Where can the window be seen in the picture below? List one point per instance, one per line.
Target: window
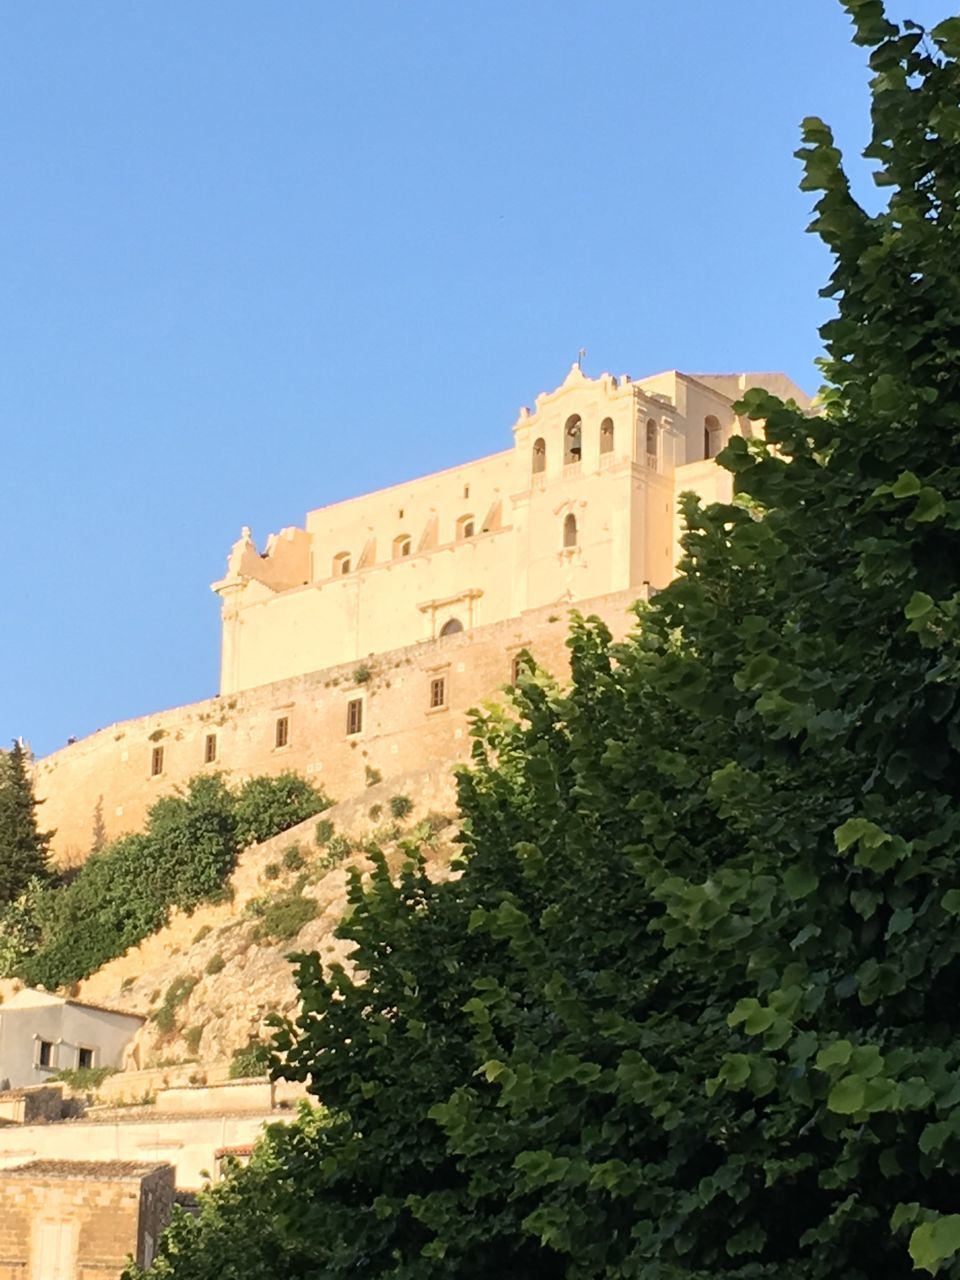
(210, 748)
(355, 715)
(156, 762)
(465, 527)
(438, 692)
(539, 463)
(606, 435)
(84, 1059)
(282, 732)
(341, 564)
(711, 436)
(569, 531)
(466, 491)
(572, 433)
(45, 1053)
(518, 665)
(651, 443)
(401, 546)
(451, 627)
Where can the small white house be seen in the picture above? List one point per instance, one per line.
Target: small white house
(41, 1034)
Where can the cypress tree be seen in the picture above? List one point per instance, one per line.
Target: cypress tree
(24, 848)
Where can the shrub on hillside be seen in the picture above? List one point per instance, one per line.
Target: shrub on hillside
(400, 806)
(267, 806)
(252, 1060)
(59, 933)
(166, 1016)
(283, 918)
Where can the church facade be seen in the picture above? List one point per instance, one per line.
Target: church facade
(355, 645)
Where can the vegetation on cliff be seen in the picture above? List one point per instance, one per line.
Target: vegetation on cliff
(690, 1010)
(59, 932)
(24, 848)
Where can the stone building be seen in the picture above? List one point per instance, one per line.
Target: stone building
(75, 1220)
(361, 640)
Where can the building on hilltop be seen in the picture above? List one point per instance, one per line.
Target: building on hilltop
(359, 642)
(582, 505)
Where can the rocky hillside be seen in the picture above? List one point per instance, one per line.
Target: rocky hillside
(208, 980)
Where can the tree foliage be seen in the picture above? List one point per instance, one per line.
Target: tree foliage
(126, 890)
(266, 806)
(690, 1010)
(24, 848)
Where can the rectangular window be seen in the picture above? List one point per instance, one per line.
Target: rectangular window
(438, 692)
(354, 715)
(84, 1059)
(45, 1053)
(156, 762)
(516, 668)
(282, 736)
(210, 748)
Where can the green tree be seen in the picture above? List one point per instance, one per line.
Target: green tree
(266, 806)
(24, 848)
(689, 1010)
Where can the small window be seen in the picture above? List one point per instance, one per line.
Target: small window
(651, 443)
(572, 434)
(84, 1059)
(156, 762)
(282, 732)
(438, 692)
(539, 463)
(711, 436)
(355, 715)
(465, 527)
(210, 748)
(466, 491)
(570, 531)
(517, 667)
(451, 627)
(341, 564)
(401, 546)
(45, 1053)
(606, 435)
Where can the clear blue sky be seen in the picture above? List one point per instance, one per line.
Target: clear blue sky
(258, 257)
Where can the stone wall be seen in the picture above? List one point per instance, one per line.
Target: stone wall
(80, 1219)
(111, 771)
(188, 1143)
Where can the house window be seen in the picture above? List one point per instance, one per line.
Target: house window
(466, 491)
(651, 443)
(572, 434)
(355, 715)
(451, 627)
(401, 546)
(156, 762)
(438, 692)
(465, 527)
(606, 435)
(517, 667)
(539, 463)
(569, 531)
(282, 732)
(210, 748)
(45, 1053)
(341, 564)
(84, 1059)
(711, 436)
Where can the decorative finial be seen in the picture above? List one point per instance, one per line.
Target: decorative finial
(580, 354)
